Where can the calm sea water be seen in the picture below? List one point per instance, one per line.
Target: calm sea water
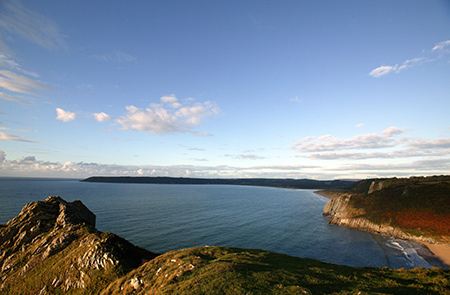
(161, 218)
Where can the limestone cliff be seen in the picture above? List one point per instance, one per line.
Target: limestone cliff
(414, 208)
(341, 213)
(53, 247)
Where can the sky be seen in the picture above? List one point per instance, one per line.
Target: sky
(219, 89)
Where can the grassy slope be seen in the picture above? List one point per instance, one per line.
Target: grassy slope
(219, 270)
(64, 265)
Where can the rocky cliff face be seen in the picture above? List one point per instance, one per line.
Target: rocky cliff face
(53, 247)
(341, 212)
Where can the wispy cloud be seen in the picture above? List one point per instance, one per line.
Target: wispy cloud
(409, 168)
(245, 156)
(296, 99)
(17, 19)
(65, 116)
(13, 98)
(118, 57)
(441, 48)
(444, 45)
(206, 134)
(18, 84)
(169, 116)
(14, 82)
(384, 70)
(12, 137)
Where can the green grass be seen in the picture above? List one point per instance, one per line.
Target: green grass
(219, 270)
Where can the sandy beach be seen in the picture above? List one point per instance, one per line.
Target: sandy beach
(441, 251)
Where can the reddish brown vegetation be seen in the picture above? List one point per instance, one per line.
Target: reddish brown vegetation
(424, 220)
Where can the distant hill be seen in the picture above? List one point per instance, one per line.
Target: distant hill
(272, 182)
(52, 247)
(417, 206)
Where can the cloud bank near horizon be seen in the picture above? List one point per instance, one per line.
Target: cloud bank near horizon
(361, 152)
(362, 146)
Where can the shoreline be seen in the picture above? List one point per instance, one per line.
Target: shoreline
(439, 251)
(328, 194)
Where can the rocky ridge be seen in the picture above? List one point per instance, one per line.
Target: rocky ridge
(57, 242)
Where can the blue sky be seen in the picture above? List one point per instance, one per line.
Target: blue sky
(298, 89)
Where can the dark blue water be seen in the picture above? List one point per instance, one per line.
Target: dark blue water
(161, 218)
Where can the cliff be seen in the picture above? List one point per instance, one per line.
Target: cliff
(415, 208)
(52, 247)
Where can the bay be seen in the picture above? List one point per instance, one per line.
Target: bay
(162, 217)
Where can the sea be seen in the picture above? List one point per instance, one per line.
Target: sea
(165, 217)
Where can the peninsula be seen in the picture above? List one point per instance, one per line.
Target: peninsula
(271, 182)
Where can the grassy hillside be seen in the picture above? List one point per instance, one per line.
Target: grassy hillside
(219, 270)
(417, 205)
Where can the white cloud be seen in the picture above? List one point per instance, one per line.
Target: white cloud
(431, 144)
(363, 141)
(169, 116)
(102, 117)
(17, 83)
(65, 116)
(17, 19)
(403, 153)
(441, 45)
(390, 131)
(384, 70)
(381, 71)
(12, 137)
(330, 148)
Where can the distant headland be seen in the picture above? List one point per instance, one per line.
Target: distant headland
(271, 182)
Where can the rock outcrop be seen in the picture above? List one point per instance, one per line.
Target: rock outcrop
(401, 208)
(56, 241)
(341, 213)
